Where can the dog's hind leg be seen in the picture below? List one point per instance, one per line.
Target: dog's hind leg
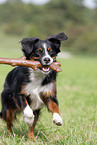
(9, 119)
(7, 108)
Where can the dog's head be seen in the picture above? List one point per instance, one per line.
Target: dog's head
(44, 51)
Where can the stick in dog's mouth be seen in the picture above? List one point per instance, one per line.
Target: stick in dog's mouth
(33, 64)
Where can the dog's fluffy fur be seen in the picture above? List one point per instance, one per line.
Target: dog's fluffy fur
(28, 90)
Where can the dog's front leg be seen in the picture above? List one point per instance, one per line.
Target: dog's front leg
(28, 116)
(31, 128)
(52, 105)
(30, 120)
(23, 105)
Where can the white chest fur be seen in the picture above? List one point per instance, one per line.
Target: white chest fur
(34, 88)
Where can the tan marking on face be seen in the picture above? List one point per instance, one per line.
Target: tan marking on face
(34, 58)
(40, 49)
(48, 48)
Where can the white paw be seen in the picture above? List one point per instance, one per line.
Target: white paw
(57, 119)
(28, 116)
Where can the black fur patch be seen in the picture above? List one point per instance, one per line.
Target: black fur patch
(51, 77)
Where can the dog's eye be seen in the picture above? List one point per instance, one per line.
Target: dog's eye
(39, 51)
(52, 53)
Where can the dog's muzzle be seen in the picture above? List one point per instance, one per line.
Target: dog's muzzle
(46, 62)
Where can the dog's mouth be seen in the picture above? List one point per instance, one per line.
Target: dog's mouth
(45, 69)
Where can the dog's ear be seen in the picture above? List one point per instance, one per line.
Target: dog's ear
(28, 44)
(56, 40)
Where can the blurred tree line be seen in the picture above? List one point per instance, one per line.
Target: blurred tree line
(71, 17)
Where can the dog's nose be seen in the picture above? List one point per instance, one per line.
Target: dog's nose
(46, 60)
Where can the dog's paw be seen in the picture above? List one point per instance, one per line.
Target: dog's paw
(28, 116)
(57, 119)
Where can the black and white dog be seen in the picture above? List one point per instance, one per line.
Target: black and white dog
(28, 90)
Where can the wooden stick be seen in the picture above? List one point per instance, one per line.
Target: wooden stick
(56, 66)
(20, 62)
(29, 63)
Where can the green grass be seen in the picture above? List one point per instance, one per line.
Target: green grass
(77, 95)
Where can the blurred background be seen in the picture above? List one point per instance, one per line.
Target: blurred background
(42, 18)
(76, 84)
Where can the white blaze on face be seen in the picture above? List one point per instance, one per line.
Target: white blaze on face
(46, 55)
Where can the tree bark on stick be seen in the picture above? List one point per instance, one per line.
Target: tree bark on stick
(29, 63)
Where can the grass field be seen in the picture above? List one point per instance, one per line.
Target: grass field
(77, 95)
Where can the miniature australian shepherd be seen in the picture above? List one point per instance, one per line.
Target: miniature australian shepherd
(27, 90)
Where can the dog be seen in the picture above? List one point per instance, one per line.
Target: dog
(27, 90)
